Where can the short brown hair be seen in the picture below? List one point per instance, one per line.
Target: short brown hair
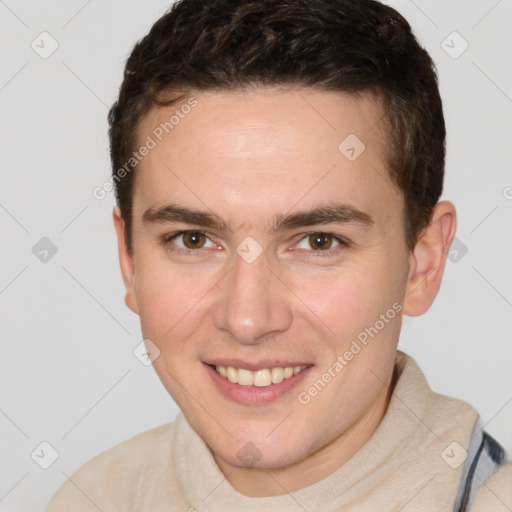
(337, 45)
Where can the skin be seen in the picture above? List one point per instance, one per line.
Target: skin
(249, 157)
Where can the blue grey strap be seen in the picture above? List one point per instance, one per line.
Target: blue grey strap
(485, 456)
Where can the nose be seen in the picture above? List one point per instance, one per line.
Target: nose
(253, 303)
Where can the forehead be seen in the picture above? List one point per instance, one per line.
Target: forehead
(244, 153)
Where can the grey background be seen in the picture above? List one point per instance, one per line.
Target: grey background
(68, 373)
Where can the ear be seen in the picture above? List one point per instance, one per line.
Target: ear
(428, 259)
(125, 260)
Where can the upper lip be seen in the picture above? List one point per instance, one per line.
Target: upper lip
(254, 366)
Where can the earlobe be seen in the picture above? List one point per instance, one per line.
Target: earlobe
(428, 260)
(125, 260)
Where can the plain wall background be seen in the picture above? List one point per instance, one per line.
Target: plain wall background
(68, 374)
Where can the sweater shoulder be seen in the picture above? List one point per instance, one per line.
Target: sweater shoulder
(110, 480)
(495, 495)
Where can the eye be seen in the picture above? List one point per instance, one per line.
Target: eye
(190, 240)
(319, 241)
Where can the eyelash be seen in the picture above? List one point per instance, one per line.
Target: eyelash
(328, 253)
(167, 239)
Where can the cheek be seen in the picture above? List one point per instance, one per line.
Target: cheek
(170, 310)
(349, 299)
(168, 300)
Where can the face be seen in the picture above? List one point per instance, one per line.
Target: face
(263, 248)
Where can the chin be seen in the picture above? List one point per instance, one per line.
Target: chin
(248, 452)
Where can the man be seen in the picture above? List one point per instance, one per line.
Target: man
(278, 167)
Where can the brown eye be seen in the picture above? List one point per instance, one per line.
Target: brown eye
(320, 241)
(193, 239)
(189, 242)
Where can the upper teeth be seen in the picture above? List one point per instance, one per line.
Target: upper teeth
(260, 378)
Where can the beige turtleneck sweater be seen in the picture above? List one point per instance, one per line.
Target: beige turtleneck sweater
(400, 468)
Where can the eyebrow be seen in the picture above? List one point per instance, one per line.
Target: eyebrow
(175, 213)
(332, 213)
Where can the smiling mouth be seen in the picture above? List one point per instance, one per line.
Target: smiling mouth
(259, 378)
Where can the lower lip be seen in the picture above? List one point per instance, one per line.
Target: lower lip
(254, 395)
